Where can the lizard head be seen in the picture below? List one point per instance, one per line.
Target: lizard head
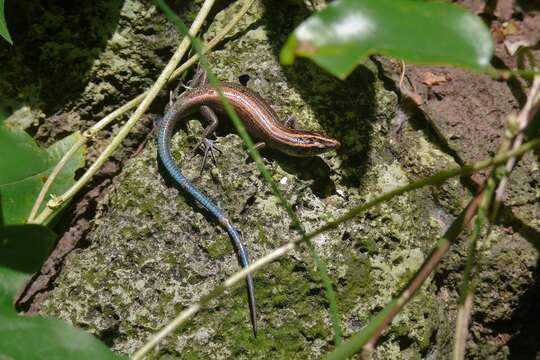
(309, 143)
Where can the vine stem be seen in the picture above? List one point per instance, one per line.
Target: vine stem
(134, 118)
(493, 193)
(367, 338)
(283, 250)
(241, 129)
(471, 264)
(531, 107)
(45, 188)
(462, 324)
(89, 134)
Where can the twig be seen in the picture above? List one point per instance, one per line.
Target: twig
(411, 94)
(220, 289)
(283, 250)
(67, 156)
(531, 108)
(514, 138)
(90, 133)
(508, 73)
(367, 338)
(124, 131)
(241, 129)
(394, 307)
(468, 283)
(462, 325)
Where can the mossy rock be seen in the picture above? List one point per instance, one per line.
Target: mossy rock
(153, 252)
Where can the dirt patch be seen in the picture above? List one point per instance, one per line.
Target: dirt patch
(469, 110)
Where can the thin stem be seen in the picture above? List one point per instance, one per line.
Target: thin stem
(430, 180)
(467, 285)
(321, 268)
(329, 291)
(526, 115)
(207, 47)
(185, 315)
(67, 156)
(367, 338)
(124, 131)
(462, 324)
(514, 138)
(437, 252)
(508, 73)
(89, 134)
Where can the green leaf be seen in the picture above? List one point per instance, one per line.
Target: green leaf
(10, 282)
(26, 168)
(3, 26)
(343, 34)
(25, 247)
(37, 338)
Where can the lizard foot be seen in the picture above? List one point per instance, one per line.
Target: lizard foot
(208, 147)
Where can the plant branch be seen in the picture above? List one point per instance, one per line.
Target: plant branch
(495, 184)
(367, 338)
(530, 109)
(90, 133)
(430, 180)
(283, 250)
(134, 118)
(239, 125)
(54, 173)
(467, 285)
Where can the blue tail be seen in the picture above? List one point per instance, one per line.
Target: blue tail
(167, 160)
(244, 260)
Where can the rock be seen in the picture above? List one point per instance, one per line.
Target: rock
(152, 252)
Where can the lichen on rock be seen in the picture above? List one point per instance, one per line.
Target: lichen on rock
(153, 252)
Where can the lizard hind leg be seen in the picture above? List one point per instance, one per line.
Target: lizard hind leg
(205, 144)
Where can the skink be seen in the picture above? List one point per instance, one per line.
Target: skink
(262, 123)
